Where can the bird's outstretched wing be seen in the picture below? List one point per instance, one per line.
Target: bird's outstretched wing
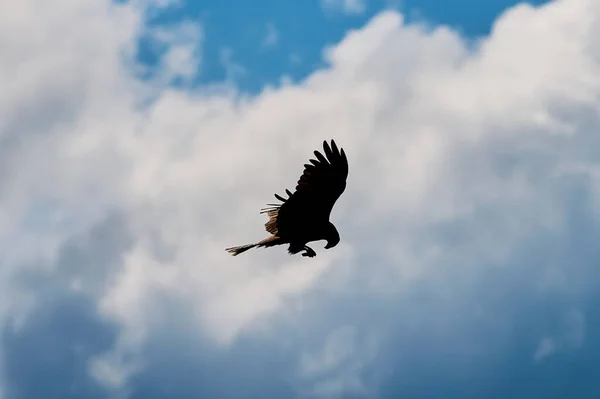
(320, 185)
(324, 179)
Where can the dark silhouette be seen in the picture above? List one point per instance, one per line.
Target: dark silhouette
(304, 216)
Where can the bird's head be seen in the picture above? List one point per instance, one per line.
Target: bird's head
(332, 236)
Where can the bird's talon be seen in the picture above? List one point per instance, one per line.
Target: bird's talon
(309, 252)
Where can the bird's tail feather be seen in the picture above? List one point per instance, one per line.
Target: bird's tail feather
(238, 250)
(267, 242)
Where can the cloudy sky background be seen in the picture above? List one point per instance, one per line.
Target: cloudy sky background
(139, 139)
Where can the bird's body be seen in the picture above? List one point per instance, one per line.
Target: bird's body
(304, 216)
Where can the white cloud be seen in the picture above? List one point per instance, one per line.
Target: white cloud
(336, 368)
(570, 337)
(546, 347)
(66, 101)
(233, 70)
(493, 139)
(182, 57)
(346, 6)
(272, 36)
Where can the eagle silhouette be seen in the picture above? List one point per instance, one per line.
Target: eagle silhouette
(304, 216)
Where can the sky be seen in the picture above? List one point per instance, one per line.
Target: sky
(260, 43)
(140, 138)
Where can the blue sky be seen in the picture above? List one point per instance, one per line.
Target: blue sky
(468, 266)
(270, 39)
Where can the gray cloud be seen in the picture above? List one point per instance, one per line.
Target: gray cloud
(47, 357)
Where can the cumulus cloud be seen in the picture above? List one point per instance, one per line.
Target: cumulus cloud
(180, 59)
(472, 193)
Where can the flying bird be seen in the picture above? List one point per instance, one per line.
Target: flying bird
(304, 216)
